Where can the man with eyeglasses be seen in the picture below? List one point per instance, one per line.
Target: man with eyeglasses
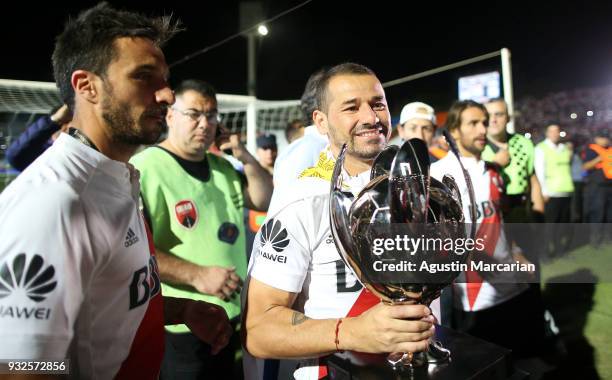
(194, 202)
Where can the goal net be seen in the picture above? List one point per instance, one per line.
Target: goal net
(22, 102)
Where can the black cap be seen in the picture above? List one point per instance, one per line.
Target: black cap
(266, 141)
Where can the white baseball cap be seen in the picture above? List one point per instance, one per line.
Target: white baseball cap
(417, 110)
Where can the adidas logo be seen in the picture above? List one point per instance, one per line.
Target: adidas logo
(30, 278)
(274, 235)
(130, 238)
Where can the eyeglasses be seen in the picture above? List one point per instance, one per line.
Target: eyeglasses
(195, 116)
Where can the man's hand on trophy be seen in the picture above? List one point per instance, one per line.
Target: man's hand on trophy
(388, 328)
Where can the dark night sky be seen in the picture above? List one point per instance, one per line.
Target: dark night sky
(555, 46)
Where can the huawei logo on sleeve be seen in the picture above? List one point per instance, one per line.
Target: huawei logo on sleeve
(274, 235)
(32, 278)
(274, 239)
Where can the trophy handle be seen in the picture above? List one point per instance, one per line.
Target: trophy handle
(411, 158)
(468, 181)
(339, 205)
(449, 181)
(382, 162)
(409, 184)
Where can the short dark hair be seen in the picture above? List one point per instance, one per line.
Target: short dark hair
(347, 68)
(551, 123)
(87, 42)
(203, 88)
(308, 101)
(499, 100)
(453, 120)
(495, 100)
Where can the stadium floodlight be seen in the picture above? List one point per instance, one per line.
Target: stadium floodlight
(528, 135)
(563, 134)
(262, 30)
(573, 115)
(589, 113)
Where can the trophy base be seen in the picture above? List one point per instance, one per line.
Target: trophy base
(436, 353)
(472, 358)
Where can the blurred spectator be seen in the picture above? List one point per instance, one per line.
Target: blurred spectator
(221, 136)
(598, 189)
(418, 120)
(294, 130)
(515, 154)
(578, 179)
(439, 146)
(552, 166)
(38, 137)
(267, 151)
(581, 112)
(303, 152)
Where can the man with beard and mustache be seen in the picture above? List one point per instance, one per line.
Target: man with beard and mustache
(79, 275)
(302, 301)
(194, 202)
(491, 305)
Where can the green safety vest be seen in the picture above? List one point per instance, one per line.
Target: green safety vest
(558, 174)
(200, 222)
(520, 169)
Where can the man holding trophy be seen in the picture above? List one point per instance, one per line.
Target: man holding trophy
(302, 301)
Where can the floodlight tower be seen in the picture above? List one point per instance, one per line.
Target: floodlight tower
(251, 12)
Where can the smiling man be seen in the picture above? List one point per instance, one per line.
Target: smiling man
(302, 301)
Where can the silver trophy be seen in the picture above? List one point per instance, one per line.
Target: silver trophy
(401, 198)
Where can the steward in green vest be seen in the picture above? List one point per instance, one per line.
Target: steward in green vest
(515, 154)
(557, 168)
(553, 168)
(194, 203)
(199, 220)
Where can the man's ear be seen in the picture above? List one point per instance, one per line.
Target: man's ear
(169, 116)
(320, 120)
(84, 85)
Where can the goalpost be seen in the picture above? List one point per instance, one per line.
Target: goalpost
(506, 68)
(22, 102)
(251, 116)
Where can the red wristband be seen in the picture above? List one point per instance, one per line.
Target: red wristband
(337, 341)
